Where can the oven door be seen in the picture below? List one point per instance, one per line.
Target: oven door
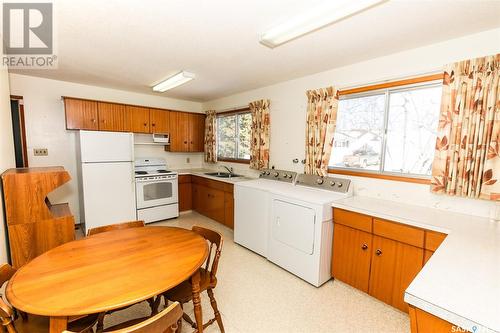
(152, 193)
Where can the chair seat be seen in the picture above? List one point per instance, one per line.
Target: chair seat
(40, 324)
(184, 292)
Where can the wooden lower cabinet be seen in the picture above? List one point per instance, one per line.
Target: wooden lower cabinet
(351, 256)
(379, 257)
(394, 265)
(424, 322)
(213, 199)
(185, 197)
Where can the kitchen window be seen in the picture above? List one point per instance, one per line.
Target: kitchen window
(233, 136)
(389, 131)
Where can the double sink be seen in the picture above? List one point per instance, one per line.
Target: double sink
(222, 174)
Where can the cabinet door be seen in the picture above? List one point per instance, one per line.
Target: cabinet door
(179, 136)
(139, 119)
(229, 210)
(111, 117)
(185, 197)
(215, 205)
(196, 132)
(81, 114)
(160, 121)
(200, 198)
(394, 265)
(351, 256)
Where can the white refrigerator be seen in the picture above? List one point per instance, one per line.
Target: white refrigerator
(106, 177)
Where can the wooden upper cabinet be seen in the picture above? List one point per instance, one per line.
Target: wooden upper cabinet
(394, 265)
(112, 117)
(81, 114)
(160, 121)
(179, 135)
(196, 132)
(351, 258)
(139, 119)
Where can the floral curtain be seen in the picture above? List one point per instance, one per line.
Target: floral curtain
(320, 127)
(259, 144)
(210, 140)
(467, 160)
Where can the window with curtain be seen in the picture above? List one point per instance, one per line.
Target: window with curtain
(388, 131)
(233, 136)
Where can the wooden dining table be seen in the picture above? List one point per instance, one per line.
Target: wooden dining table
(108, 271)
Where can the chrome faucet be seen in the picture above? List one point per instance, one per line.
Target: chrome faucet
(229, 169)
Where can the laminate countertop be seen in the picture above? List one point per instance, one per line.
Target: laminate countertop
(200, 172)
(461, 281)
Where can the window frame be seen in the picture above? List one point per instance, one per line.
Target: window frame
(386, 89)
(228, 114)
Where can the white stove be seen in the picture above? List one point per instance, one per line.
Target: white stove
(157, 195)
(288, 219)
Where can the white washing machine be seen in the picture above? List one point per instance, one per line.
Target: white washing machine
(298, 216)
(251, 209)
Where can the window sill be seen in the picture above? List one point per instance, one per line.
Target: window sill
(379, 176)
(231, 160)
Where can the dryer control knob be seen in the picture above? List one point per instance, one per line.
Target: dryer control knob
(319, 181)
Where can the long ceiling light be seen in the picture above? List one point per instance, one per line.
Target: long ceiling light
(174, 81)
(315, 18)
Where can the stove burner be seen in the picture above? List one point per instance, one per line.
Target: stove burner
(162, 171)
(141, 173)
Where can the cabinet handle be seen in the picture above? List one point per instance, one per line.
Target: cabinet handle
(93, 120)
(378, 252)
(185, 142)
(364, 247)
(153, 124)
(145, 124)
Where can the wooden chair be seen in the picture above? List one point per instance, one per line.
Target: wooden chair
(208, 280)
(117, 226)
(31, 324)
(167, 321)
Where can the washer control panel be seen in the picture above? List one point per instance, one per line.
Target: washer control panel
(334, 184)
(281, 175)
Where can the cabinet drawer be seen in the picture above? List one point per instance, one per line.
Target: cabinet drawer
(208, 183)
(353, 220)
(433, 239)
(184, 179)
(399, 232)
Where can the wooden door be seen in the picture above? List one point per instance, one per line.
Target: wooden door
(196, 132)
(160, 121)
(229, 210)
(215, 205)
(111, 117)
(394, 265)
(81, 114)
(139, 119)
(351, 257)
(179, 136)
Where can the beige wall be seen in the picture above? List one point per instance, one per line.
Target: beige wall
(45, 125)
(6, 148)
(288, 112)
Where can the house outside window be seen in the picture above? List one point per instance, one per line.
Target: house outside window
(388, 131)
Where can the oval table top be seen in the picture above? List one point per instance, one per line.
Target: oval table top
(106, 271)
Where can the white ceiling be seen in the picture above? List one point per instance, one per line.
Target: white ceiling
(132, 44)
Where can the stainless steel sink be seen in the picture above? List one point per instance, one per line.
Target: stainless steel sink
(222, 174)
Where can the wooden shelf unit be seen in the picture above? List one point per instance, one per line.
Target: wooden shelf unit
(34, 224)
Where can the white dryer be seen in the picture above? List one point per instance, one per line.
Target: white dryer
(301, 229)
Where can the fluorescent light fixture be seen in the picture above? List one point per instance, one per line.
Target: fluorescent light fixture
(174, 81)
(317, 17)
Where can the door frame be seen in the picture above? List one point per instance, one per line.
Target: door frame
(22, 128)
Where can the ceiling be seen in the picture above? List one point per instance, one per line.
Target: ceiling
(130, 44)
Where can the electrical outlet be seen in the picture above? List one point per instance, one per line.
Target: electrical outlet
(188, 160)
(40, 152)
